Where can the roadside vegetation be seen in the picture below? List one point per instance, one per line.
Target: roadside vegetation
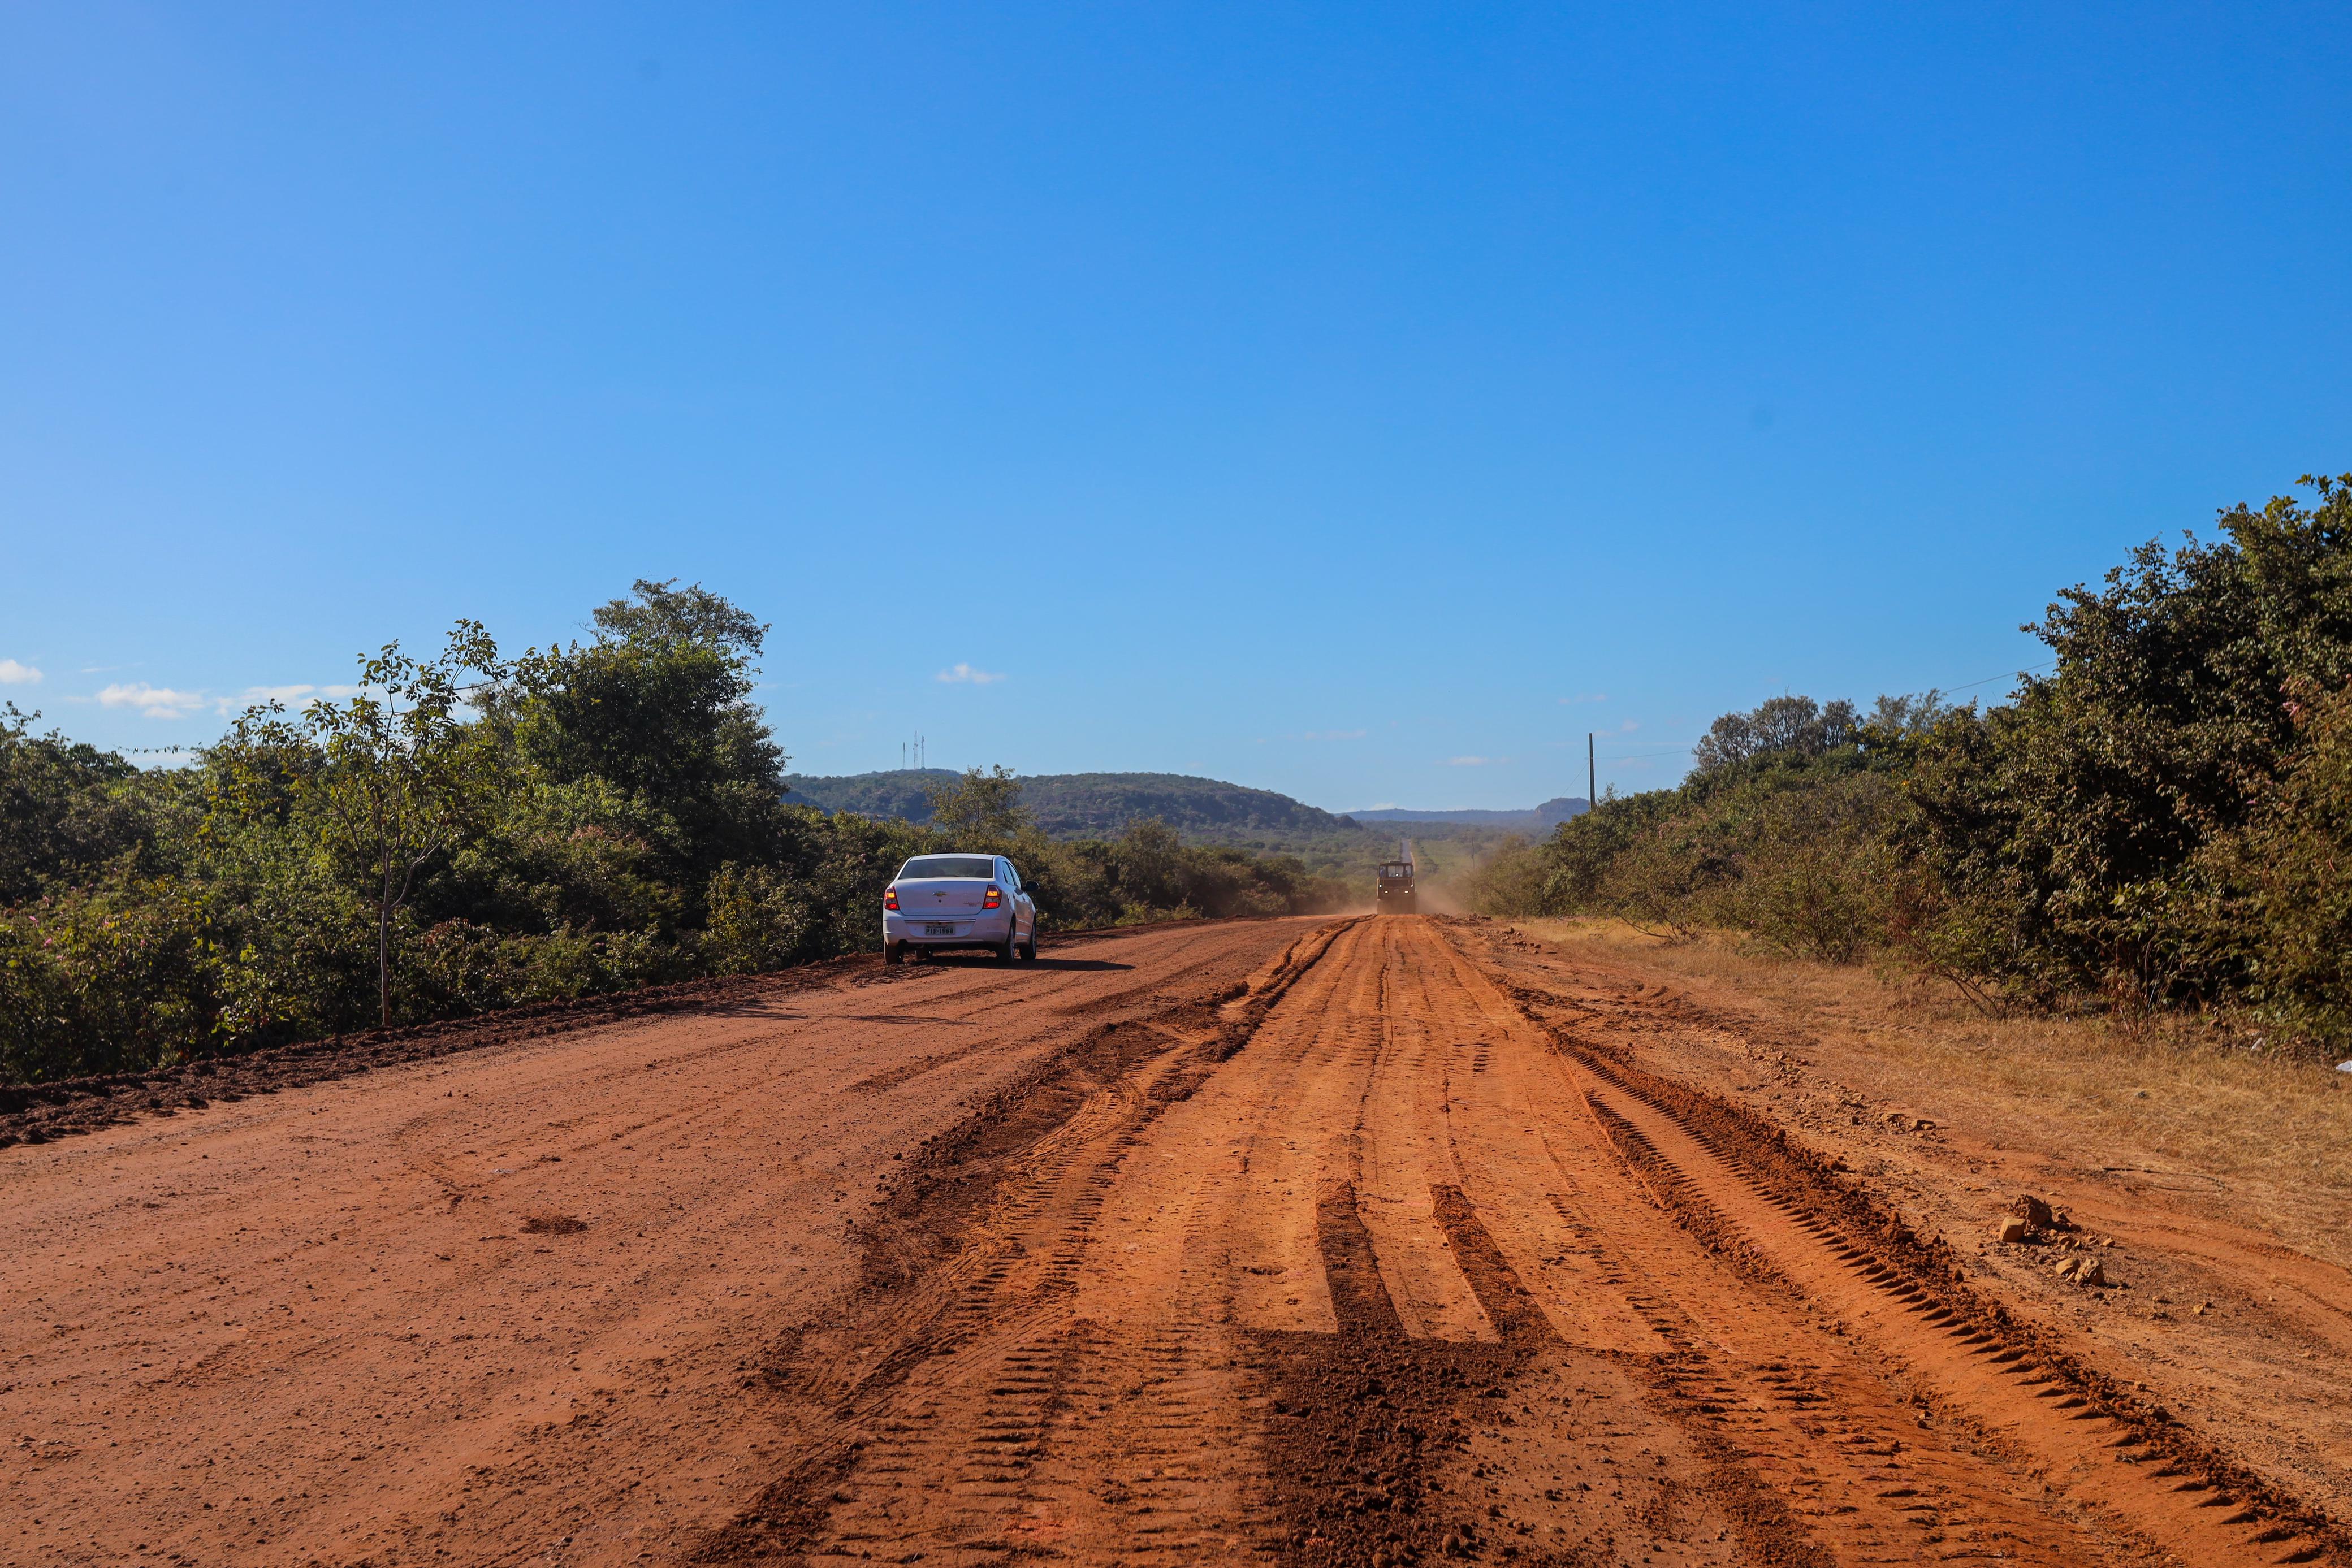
(2163, 822)
(472, 831)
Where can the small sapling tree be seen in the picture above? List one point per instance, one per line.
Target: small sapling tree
(389, 780)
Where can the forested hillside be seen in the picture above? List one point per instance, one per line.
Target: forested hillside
(476, 829)
(1203, 812)
(1088, 805)
(2163, 819)
(1545, 816)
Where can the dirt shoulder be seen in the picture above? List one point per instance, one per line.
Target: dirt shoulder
(2214, 1186)
(38, 1113)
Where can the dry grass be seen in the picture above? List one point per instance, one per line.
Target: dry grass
(2168, 1095)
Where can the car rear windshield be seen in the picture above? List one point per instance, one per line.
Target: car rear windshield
(979, 867)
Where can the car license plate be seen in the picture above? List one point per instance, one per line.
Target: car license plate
(939, 930)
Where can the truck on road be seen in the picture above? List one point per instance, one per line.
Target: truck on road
(1395, 895)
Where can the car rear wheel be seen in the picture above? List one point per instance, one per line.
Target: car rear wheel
(1011, 949)
(1029, 949)
(894, 952)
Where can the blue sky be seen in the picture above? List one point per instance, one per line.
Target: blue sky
(1362, 402)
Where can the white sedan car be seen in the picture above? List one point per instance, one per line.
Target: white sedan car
(936, 902)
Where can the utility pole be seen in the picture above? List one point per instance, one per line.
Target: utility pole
(1591, 777)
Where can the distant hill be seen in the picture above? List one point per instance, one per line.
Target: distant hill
(1086, 805)
(897, 793)
(1549, 815)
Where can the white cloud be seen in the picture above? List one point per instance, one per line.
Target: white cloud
(1474, 762)
(155, 701)
(964, 675)
(1334, 735)
(257, 696)
(297, 695)
(291, 694)
(13, 674)
(167, 701)
(1584, 697)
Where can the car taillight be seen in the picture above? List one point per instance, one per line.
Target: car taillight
(993, 898)
(890, 898)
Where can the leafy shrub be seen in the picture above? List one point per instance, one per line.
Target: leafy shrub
(759, 920)
(65, 810)
(457, 969)
(2270, 903)
(118, 978)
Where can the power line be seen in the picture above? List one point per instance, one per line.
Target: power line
(2005, 676)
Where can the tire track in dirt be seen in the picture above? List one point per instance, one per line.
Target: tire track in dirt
(2024, 1394)
(1777, 1217)
(1619, 1279)
(2258, 1377)
(919, 1424)
(1371, 1291)
(1767, 1529)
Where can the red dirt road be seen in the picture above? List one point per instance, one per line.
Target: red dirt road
(1304, 1241)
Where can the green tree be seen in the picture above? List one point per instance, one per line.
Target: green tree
(389, 781)
(982, 810)
(2077, 809)
(657, 704)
